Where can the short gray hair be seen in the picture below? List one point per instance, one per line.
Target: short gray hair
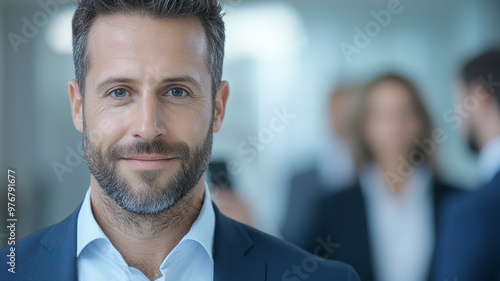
(209, 12)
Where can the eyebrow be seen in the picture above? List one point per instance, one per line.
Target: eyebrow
(177, 79)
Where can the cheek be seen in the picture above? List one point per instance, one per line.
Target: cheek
(413, 129)
(105, 126)
(191, 125)
(374, 132)
(200, 123)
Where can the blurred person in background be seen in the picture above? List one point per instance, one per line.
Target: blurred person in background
(224, 195)
(470, 248)
(385, 225)
(333, 171)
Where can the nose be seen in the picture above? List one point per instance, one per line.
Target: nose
(148, 116)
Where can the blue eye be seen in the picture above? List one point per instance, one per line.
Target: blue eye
(119, 93)
(177, 92)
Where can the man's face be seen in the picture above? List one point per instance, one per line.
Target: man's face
(148, 113)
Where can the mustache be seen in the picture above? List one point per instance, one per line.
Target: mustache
(160, 147)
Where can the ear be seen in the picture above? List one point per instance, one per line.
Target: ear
(220, 105)
(76, 101)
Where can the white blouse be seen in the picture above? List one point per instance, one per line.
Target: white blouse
(401, 227)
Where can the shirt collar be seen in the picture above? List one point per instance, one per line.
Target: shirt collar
(202, 230)
(87, 228)
(489, 160)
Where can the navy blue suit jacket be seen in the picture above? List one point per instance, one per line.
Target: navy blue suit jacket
(240, 253)
(469, 248)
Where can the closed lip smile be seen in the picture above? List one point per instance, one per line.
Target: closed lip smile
(147, 161)
(147, 157)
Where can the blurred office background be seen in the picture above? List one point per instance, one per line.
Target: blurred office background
(283, 58)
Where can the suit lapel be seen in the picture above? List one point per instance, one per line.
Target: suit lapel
(232, 247)
(360, 233)
(57, 252)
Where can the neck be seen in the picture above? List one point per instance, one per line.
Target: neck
(393, 178)
(144, 241)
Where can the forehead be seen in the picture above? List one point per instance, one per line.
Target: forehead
(389, 93)
(137, 44)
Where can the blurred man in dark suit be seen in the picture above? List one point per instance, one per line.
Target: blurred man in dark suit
(470, 242)
(333, 171)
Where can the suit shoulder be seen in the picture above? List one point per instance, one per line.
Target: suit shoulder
(24, 252)
(26, 245)
(288, 262)
(477, 211)
(29, 249)
(36, 239)
(484, 199)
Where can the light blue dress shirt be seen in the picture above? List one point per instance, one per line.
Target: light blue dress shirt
(191, 259)
(489, 160)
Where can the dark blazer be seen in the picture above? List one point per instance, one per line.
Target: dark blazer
(240, 253)
(470, 243)
(342, 217)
